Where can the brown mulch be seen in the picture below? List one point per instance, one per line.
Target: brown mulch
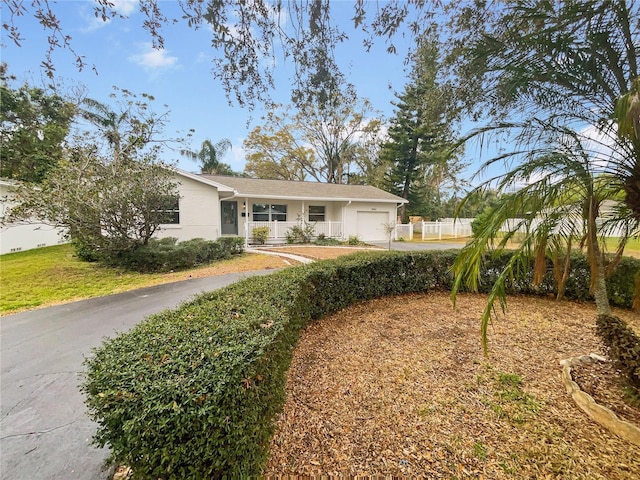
(400, 386)
(607, 386)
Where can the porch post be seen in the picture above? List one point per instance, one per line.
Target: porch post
(246, 222)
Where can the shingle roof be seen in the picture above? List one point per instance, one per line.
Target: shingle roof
(285, 189)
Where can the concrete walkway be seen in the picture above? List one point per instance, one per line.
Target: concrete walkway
(44, 430)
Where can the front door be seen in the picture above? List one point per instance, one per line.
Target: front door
(229, 218)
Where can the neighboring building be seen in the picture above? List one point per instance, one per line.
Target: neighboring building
(23, 236)
(211, 206)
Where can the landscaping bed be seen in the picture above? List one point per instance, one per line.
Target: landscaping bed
(400, 386)
(193, 392)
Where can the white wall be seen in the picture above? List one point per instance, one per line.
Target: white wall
(16, 238)
(199, 212)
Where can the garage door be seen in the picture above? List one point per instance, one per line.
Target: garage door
(370, 226)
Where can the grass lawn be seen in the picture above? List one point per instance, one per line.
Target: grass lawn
(632, 248)
(53, 275)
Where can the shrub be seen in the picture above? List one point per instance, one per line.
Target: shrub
(301, 233)
(327, 241)
(354, 240)
(166, 254)
(192, 392)
(260, 235)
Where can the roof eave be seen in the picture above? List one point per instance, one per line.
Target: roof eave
(327, 199)
(206, 181)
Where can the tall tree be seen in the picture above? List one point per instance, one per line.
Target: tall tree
(110, 191)
(275, 154)
(421, 134)
(127, 123)
(209, 156)
(34, 123)
(324, 141)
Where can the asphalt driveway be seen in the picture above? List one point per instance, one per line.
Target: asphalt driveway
(44, 430)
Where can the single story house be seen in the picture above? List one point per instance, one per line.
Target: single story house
(210, 206)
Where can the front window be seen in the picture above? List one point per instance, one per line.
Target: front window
(263, 212)
(316, 213)
(170, 211)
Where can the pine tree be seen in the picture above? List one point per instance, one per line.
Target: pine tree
(420, 136)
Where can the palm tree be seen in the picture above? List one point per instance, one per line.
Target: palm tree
(209, 157)
(559, 191)
(107, 121)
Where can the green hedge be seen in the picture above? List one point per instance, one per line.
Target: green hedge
(192, 392)
(166, 254)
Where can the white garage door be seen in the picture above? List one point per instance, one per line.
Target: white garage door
(370, 226)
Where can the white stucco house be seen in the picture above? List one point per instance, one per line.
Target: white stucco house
(211, 206)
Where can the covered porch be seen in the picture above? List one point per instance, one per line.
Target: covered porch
(278, 230)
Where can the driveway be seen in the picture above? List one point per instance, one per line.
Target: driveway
(44, 431)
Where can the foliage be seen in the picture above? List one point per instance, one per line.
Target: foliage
(561, 199)
(354, 240)
(192, 392)
(110, 192)
(418, 154)
(209, 157)
(274, 154)
(303, 232)
(570, 64)
(166, 255)
(105, 207)
(327, 241)
(260, 234)
(33, 125)
(334, 143)
(133, 129)
(246, 38)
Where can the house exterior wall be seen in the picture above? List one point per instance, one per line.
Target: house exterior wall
(199, 212)
(16, 238)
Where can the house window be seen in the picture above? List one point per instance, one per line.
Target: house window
(170, 212)
(316, 213)
(263, 212)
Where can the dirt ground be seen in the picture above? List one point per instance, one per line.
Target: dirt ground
(400, 386)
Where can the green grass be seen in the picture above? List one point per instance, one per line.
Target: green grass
(52, 275)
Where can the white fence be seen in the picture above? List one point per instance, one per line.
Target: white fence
(447, 228)
(279, 230)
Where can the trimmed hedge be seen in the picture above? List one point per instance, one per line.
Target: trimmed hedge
(192, 392)
(165, 254)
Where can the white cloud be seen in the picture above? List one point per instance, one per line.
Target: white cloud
(153, 59)
(124, 7)
(236, 157)
(121, 7)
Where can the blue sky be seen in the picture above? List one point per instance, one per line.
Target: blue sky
(180, 75)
